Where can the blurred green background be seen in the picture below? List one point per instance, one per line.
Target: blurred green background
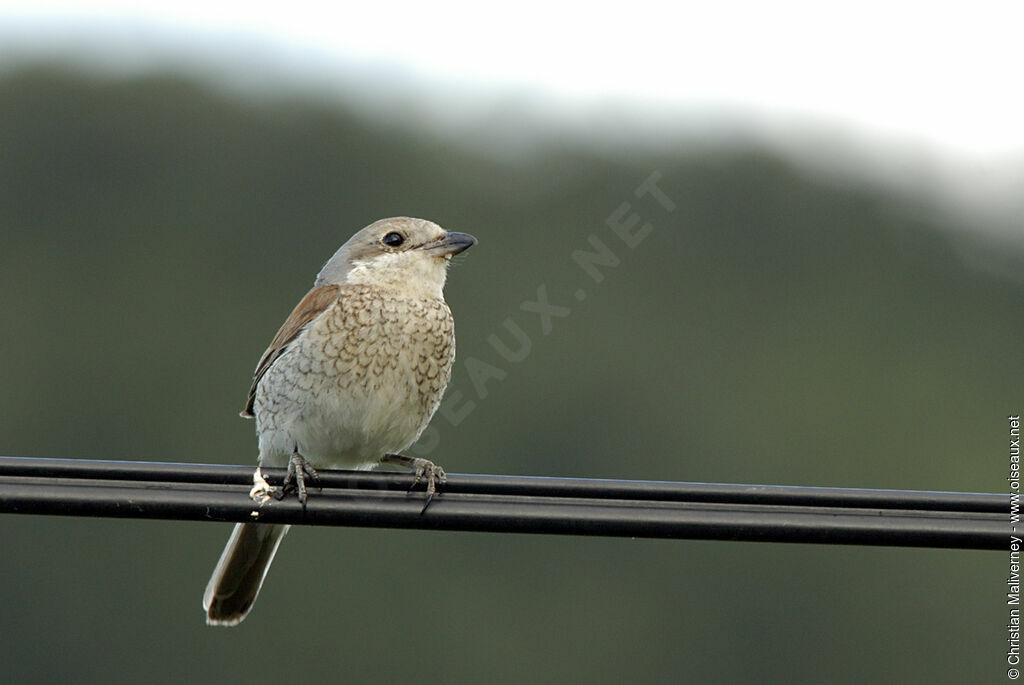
(775, 327)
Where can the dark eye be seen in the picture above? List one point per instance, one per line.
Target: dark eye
(393, 239)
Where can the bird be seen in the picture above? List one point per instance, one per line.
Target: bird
(351, 380)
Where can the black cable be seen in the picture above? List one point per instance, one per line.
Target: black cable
(78, 487)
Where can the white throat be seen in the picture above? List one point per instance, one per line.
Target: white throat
(413, 274)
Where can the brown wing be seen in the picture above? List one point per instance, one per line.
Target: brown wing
(312, 305)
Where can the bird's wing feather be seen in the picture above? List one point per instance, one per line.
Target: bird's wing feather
(312, 305)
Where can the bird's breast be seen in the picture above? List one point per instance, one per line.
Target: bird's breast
(362, 380)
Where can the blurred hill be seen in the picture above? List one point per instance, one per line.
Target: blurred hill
(772, 327)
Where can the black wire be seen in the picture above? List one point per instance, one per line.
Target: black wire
(655, 509)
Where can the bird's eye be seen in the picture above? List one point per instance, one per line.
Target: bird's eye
(393, 239)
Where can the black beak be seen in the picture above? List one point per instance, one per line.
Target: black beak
(449, 244)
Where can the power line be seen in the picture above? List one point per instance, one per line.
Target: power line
(520, 504)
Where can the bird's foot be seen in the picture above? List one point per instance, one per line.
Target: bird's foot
(261, 490)
(423, 469)
(295, 479)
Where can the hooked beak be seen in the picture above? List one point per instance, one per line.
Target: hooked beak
(449, 244)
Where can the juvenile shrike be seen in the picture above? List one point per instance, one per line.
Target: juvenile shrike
(351, 379)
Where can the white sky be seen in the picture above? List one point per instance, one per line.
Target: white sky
(949, 73)
(945, 78)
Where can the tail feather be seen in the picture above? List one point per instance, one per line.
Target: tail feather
(240, 572)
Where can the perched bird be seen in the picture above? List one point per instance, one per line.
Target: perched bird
(351, 379)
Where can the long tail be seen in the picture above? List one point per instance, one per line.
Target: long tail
(239, 575)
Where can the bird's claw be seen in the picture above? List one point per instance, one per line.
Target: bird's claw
(433, 473)
(261, 490)
(423, 469)
(295, 479)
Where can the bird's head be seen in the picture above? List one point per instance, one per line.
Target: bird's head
(400, 253)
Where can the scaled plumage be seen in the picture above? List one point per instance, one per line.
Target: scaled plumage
(352, 377)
